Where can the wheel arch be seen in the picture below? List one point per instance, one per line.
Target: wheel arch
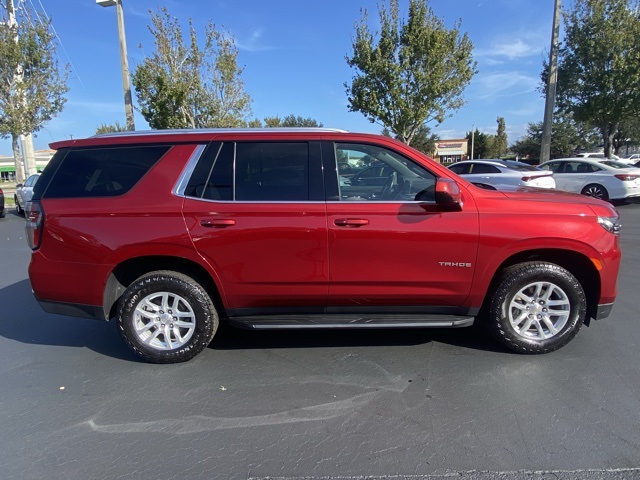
(579, 265)
(125, 273)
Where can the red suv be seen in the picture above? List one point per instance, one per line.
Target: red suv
(171, 232)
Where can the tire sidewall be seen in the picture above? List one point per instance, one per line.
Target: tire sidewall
(517, 278)
(605, 194)
(206, 318)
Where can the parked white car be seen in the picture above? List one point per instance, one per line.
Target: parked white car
(600, 156)
(500, 174)
(604, 179)
(25, 192)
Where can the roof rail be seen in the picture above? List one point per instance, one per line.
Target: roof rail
(219, 130)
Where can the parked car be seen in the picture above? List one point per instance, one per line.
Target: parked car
(3, 211)
(170, 233)
(24, 192)
(635, 158)
(500, 174)
(600, 156)
(604, 179)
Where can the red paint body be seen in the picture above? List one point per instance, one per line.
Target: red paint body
(317, 253)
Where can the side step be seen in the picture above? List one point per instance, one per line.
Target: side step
(286, 322)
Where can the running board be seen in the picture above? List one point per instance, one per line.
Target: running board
(294, 322)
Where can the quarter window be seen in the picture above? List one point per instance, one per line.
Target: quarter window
(103, 171)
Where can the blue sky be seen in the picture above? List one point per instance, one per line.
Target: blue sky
(293, 54)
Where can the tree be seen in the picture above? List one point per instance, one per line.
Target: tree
(500, 143)
(109, 128)
(599, 65)
(185, 86)
(410, 73)
(291, 121)
(32, 86)
(566, 138)
(423, 141)
(482, 144)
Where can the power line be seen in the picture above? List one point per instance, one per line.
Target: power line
(53, 29)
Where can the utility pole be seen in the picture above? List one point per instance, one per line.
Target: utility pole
(552, 80)
(473, 136)
(124, 63)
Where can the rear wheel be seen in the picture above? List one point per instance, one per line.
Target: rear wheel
(538, 307)
(166, 317)
(596, 191)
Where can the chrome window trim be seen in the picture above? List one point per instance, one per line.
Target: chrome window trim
(185, 176)
(314, 202)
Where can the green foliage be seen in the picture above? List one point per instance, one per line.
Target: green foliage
(599, 64)
(483, 144)
(566, 138)
(109, 128)
(423, 140)
(32, 86)
(183, 85)
(500, 143)
(410, 73)
(290, 121)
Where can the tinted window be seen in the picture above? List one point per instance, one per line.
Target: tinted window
(103, 171)
(460, 169)
(484, 168)
(272, 171)
(212, 177)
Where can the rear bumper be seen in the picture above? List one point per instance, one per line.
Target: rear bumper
(73, 309)
(603, 310)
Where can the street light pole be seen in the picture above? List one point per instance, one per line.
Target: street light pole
(552, 80)
(124, 63)
(473, 137)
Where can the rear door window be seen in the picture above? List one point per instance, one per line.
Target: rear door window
(258, 171)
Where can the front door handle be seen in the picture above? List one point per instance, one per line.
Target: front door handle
(218, 223)
(351, 222)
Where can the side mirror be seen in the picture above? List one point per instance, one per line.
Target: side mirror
(448, 195)
(19, 185)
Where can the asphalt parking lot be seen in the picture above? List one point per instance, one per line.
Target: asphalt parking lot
(74, 403)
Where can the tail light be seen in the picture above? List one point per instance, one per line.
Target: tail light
(626, 177)
(34, 215)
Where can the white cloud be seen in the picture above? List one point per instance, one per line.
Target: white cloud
(504, 84)
(252, 43)
(516, 45)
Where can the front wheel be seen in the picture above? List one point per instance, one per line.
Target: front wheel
(537, 307)
(18, 207)
(166, 317)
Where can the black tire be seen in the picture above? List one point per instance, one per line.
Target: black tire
(546, 304)
(596, 191)
(18, 207)
(150, 306)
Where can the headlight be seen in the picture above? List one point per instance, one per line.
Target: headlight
(610, 224)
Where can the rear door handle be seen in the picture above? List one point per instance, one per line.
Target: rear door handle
(351, 222)
(218, 223)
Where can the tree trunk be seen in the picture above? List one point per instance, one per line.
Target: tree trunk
(17, 158)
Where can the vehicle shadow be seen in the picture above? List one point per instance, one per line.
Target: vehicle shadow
(23, 320)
